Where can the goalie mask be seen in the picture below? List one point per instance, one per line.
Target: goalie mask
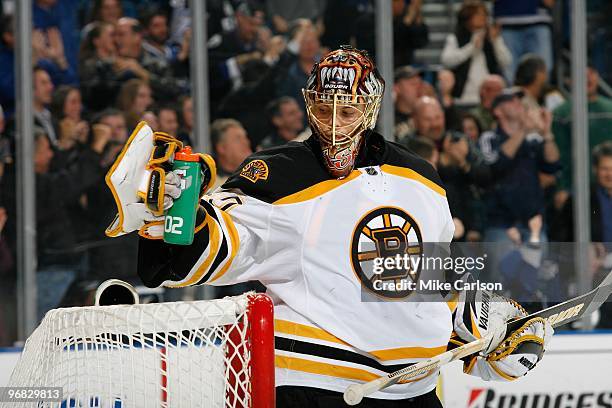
(342, 96)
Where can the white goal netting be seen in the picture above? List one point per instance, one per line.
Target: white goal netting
(179, 354)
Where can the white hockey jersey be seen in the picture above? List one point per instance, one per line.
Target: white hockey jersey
(311, 241)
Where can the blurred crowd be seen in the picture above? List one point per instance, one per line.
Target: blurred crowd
(489, 119)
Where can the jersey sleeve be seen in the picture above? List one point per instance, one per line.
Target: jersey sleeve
(233, 235)
(238, 228)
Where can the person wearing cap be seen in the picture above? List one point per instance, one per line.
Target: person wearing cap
(407, 84)
(516, 155)
(231, 51)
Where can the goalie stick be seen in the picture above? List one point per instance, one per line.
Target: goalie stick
(557, 315)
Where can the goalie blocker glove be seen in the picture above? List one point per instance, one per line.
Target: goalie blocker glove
(143, 185)
(509, 355)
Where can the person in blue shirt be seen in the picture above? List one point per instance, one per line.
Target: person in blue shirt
(516, 155)
(526, 28)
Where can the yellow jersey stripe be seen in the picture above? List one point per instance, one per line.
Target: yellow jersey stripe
(401, 353)
(235, 240)
(413, 175)
(214, 245)
(331, 370)
(302, 330)
(317, 190)
(317, 367)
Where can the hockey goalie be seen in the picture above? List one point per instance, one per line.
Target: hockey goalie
(307, 219)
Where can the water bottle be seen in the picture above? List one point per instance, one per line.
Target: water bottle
(179, 223)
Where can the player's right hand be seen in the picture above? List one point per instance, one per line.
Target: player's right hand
(172, 189)
(144, 185)
(521, 350)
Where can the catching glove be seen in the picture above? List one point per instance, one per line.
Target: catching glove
(508, 355)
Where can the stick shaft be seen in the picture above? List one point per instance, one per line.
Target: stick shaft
(557, 315)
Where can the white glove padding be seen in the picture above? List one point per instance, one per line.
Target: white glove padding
(129, 180)
(482, 313)
(521, 350)
(516, 354)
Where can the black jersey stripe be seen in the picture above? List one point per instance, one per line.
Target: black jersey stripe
(188, 255)
(318, 350)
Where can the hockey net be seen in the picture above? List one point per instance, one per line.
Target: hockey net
(217, 353)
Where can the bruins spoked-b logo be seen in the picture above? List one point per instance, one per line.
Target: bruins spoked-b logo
(384, 241)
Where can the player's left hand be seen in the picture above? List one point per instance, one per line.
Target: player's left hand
(521, 350)
(507, 356)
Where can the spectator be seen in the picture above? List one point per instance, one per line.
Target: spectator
(107, 11)
(516, 155)
(562, 228)
(471, 127)
(160, 75)
(133, 100)
(424, 148)
(283, 12)
(7, 292)
(349, 12)
(230, 51)
(5, 146)
(474, 51)
(460, 165)
(156, 45)
(40, 51)
(151, 118)
(101, 71)
(115, 120)
(7, 67)
(42, 96)
(231, 147)
(464, 173)
(186, 131)
(407, 84)
(445, 84)
(129, 40)
(113, 259)
(66, 108)
(6, 256)
(531, 76)
(527, 276)
(601, 203)
(58, 263)
(525, 29)
(600, 129)
(429, 120)
(297, 74)
(409, 31)
(168, 120)
(287, 120)
(490, 87)
(221, 18)
(247, 103)
(48, 44)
